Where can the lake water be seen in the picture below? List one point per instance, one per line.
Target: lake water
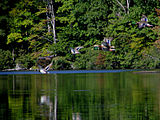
(112, 95)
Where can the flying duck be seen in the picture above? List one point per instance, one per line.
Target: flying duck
(43, 63)
(144, 22)
(45, 70)
(76, 50)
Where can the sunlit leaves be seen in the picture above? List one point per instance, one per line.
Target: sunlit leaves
(21, 19)
(27, 24)
(137, 43)
(14, 37)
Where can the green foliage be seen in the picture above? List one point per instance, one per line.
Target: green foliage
(147, 6)
(100, 60)
(112, 61)
(87, 60)
(25, 18)
(6, 60)
(14, 37)
(81, 23)
(61, 63)
(5, 6)
(150, 58)
(26, 61)
(129, 40)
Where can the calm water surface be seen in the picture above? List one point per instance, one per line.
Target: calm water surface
(80, 96)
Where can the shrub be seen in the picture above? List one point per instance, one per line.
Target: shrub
(150, 58)
(25, 61)
(86, 60)
(6, 60)
(100, 60)
(112, 61)
(61, 63)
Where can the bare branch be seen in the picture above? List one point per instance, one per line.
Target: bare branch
(121, 6)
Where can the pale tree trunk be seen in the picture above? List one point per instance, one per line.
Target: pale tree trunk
(51, 19)
(128, 6)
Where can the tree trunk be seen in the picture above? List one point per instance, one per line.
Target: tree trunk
(128, 6)
(51, 19)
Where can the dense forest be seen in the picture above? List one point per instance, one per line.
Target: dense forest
(30, 29)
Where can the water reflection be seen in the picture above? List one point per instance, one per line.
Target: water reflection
(76, 116)
(80, 96)
(46, 104)
(46, 107)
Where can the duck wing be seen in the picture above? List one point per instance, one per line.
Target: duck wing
(48, 66)
(72, 51)
(78, 48)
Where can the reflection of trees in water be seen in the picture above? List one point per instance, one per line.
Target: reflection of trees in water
(46, 104)
(55, 99)
(108, 96)
(76, 116)
(19, 104)
(46, 107)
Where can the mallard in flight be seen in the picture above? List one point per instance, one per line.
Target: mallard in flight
(76, 50)
(45, 70)
(144, 22)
